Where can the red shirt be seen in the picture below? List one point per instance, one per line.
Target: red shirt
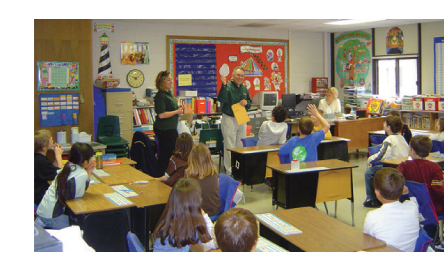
(424, 171)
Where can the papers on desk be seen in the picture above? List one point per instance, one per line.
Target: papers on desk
(117, 199)
(124, 191)
(308, 169)
(278, 224)
(93, 180)
(264, 245)
(100, 173)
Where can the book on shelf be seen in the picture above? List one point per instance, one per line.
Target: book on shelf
(143, 116)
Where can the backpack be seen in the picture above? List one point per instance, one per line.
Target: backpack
(143, 151)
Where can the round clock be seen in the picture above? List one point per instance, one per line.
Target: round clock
(135, 78)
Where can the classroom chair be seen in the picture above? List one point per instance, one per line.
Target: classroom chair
(249, 141)
(425, 205)
(106, 231)
(423, 241)
(133, 242)
(213, 134)
(227, 189)
(373, 150)
(377, 139)
(437, 146)
(108, 133)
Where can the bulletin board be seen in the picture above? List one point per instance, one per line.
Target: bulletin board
(59, 109)
(57, 76)
(196, 63)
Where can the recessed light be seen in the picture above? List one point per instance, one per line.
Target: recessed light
(354, 21)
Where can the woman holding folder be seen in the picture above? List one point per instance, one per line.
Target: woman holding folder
(232, 93)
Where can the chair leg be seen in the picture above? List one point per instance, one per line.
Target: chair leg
(336, 208)
(353, 213)
(243, 190)
(326, 209)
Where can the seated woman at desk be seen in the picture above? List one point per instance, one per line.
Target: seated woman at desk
(178, 161)
(274, 131)
(183, 222)
(331, 103)
(202, 168)
(71, 182)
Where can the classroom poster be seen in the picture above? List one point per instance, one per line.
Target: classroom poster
(57, 76)
(265, 64)
(134, 53)
(59, 109)
(353, 59)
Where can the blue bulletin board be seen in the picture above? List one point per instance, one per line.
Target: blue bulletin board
(59, 109)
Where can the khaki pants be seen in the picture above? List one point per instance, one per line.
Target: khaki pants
(233, 133)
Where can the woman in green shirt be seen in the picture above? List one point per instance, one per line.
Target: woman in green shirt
(167, 118)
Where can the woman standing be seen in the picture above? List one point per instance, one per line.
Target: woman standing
(331, 103)
(167, 118)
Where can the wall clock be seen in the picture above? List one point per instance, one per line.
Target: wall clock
(135, 78)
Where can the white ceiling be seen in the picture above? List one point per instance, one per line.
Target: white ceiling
(305, 25)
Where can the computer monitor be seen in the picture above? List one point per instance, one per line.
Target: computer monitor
(302, 106)
(289, 101)
(266, 100)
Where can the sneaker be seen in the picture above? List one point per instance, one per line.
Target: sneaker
(373, 203)
(439, 247)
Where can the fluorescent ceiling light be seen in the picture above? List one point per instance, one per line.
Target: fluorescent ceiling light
(347, 22)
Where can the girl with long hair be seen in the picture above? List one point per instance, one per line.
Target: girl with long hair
(183, 222)
(71, 182)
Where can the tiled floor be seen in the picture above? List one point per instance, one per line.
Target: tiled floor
(258, 200)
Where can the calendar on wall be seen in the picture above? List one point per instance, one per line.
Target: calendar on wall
(439, 65)
(57, 76)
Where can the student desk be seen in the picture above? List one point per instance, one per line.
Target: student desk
(122, 174)
(320, 233)
(396, 161)
(300, 188)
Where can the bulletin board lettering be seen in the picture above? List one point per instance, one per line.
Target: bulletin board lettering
(205, 59)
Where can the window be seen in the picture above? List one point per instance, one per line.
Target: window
(396, 77)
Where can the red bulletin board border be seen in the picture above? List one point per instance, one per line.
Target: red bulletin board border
(265, 62)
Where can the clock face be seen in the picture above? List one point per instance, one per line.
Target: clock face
(135, 78)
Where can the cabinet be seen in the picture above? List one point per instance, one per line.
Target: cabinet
(119, 102)
(319, 85)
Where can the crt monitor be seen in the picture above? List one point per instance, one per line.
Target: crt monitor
(266, 100)
(289, 101)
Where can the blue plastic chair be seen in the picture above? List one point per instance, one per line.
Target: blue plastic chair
(373, 150)
(249, 141)
(437, 146)
(423, 241)
(377, 139)
(134, 244)
(227, 189)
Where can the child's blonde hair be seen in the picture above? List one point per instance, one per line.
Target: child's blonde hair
(200, 164)
(41, 139)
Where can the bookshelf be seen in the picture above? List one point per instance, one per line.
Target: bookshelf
(143, 118)
(416, 119)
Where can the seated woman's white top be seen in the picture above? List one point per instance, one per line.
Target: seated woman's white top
(334, 107)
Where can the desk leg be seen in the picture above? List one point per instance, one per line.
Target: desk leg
(352, 199)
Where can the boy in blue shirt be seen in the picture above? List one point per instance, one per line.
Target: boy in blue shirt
(304, 147)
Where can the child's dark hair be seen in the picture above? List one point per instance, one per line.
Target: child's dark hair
(279, 113)
(182, 221)
(394, 122)
(306, 125)
(184, 144)
(422, 145)
(389, 182)
(79, 153)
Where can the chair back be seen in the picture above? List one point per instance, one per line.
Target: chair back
(426, 208)
(144, 153)
(284, 158)
(212, 134)
(108, 126)
(106, 231)
(227, 189)
(373, 150)
(377, 139)
(249, 141)
(423, 241)
(437, 146)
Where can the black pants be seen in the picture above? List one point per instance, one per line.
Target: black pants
(167, 142)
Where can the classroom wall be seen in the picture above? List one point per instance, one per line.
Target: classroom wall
(66, 41)
(306, 50)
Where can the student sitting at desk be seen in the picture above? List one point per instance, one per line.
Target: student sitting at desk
(183, 222)
(422, 170)
(202, 168)
(70, 183)
(44, 170)
(178, 161)
(395, 223)
(274, 131)
(439, 136)
(304, 146)
(236, 230)
(318, 125)
(393, 146)
(405, 131)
